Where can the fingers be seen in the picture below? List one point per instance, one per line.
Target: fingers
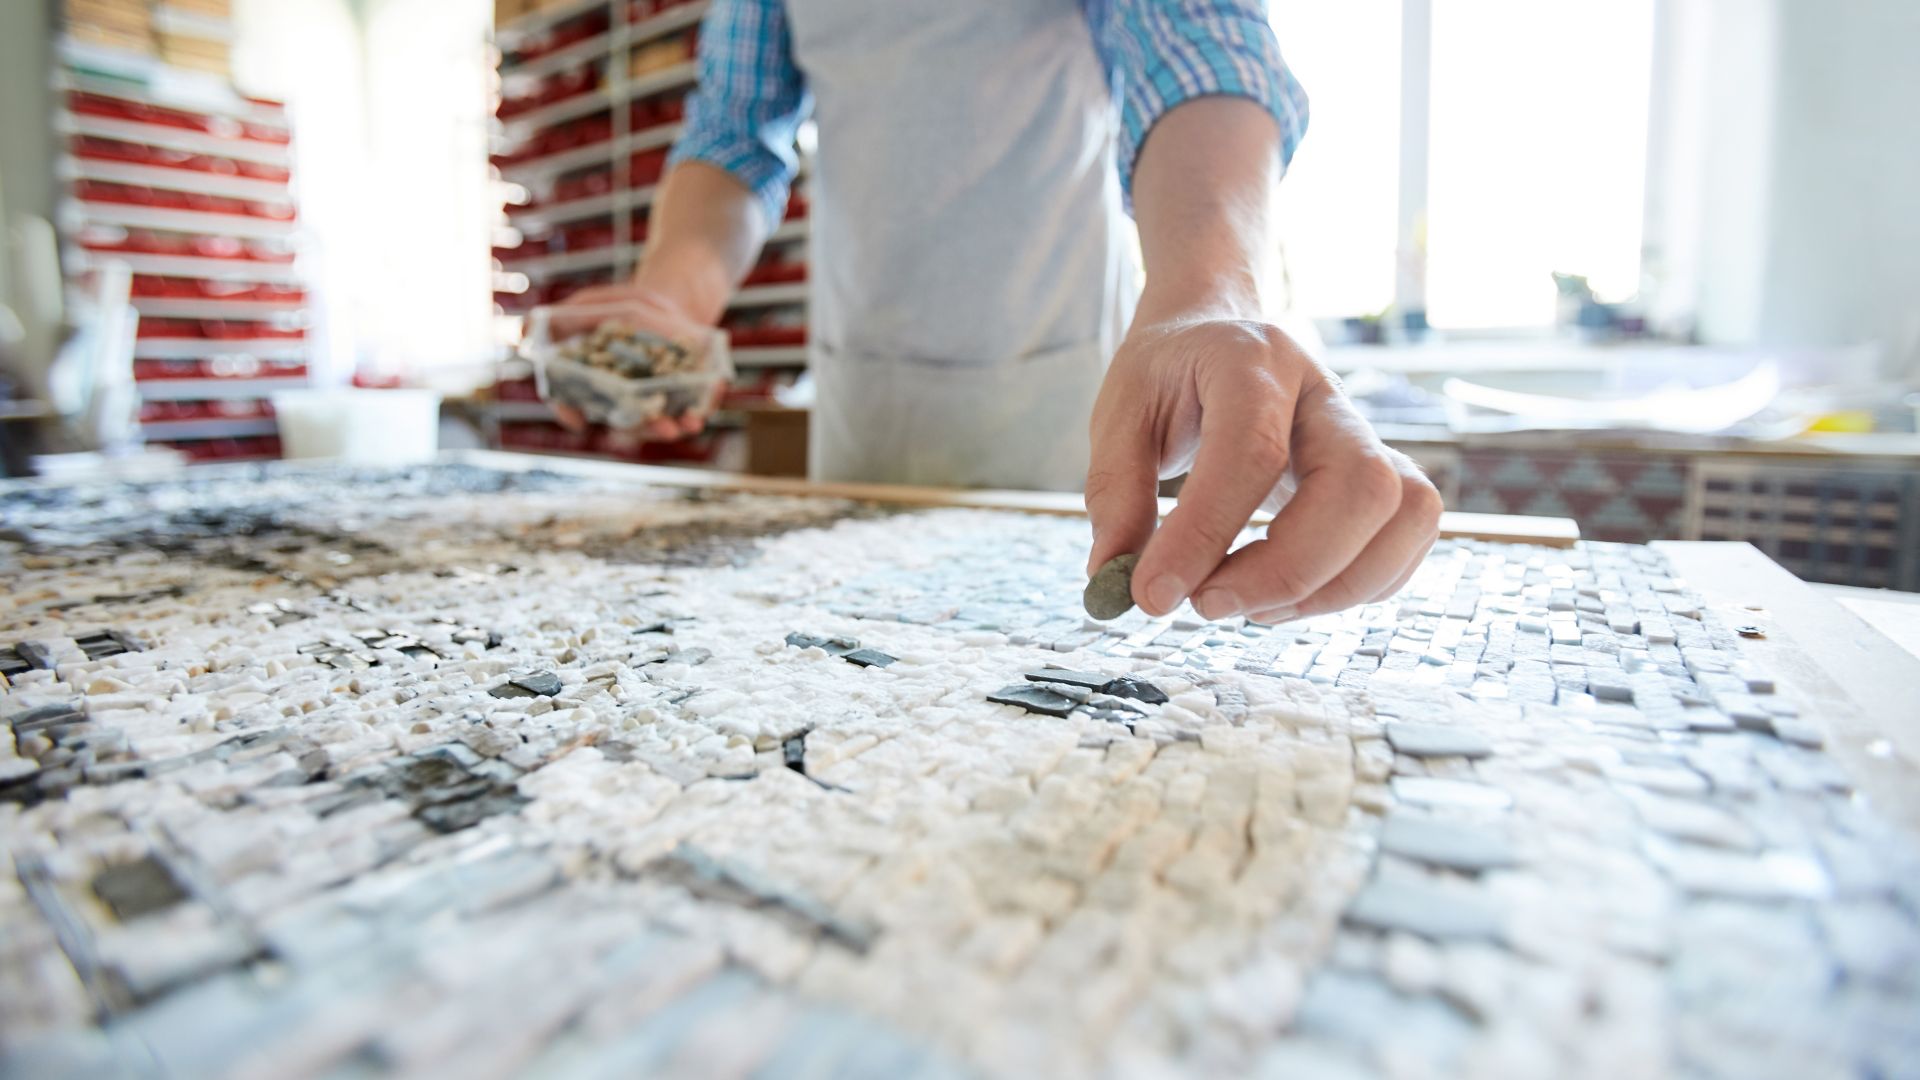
(1406, 575)
(1350, 489)
(687, 424)
(1389, 559)
(1123, 483)
(1246, 417)
(658, 429)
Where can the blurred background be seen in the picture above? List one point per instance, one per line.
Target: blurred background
(1651, 264)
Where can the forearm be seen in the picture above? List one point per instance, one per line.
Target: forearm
(1202, 192)
(705, 231)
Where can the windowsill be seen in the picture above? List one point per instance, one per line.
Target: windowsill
(1539, 354)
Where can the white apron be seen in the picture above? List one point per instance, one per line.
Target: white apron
(972, 269)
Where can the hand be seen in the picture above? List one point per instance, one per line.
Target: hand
(1234, 403)
(655, 311)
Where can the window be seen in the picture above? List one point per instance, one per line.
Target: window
(1461, 152)
(1337, 207)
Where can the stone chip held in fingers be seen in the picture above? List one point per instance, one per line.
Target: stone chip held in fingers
(1110, 594)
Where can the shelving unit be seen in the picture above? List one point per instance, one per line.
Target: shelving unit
(171, 179)
(202, 348)
(215, 389)
(276, 314)
(190, 266)
(195, 222)
(163, 137)
(545, 267)
(592, 98)
(187, 183)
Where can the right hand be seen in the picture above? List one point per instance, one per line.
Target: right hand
(1235, 403)
(654, 311)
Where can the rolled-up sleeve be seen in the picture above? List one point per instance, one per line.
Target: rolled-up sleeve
(750, 101)
(1160, 53)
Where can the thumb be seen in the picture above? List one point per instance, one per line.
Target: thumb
(1123, 485)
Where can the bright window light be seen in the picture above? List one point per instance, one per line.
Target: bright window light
(1336, 210)
(1537, 156)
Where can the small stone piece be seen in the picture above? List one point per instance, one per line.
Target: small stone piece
(46, 716)
(1136, 689)
(1089, 680)
(1447, 792)
(868, 658)
(1435, 913)
(538, 684)
(834, 646)
(35, 654)
(1034, 699)
(1437, 740)
(544, 683)
(1456, 845)
(1110, 594)
(137, 888)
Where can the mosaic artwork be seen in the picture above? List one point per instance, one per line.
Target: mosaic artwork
(461, 772)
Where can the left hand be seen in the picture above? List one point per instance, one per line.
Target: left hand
(654, 311)
(1234, 403)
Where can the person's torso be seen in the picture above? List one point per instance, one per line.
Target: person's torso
(965, 204)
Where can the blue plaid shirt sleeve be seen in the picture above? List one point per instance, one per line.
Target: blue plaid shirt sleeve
(1160, 53)
(750, 101)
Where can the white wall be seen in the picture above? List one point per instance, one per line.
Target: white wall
(1843, 262)
(1785, 189)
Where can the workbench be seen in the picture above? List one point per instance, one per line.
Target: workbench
(518, 766)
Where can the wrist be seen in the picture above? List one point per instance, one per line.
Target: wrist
(699, 297)
(1173, 297)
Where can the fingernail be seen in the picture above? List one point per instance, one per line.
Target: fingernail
(1165, 592)
(1217, 603)
(1273, 616)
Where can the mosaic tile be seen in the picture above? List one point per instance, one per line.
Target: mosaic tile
(314, 770)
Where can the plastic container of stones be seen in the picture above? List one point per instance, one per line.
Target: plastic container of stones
(614, 363)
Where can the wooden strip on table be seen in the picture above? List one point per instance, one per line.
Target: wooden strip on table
(1503, 528)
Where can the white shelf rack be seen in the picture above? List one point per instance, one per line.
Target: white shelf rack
(221, 111)
(512, 34)
(211, 428)
(543, 267)
(597, 47)
(539, 218)
(173, 307)
(793, 292)
(771, 356)
(192, 181)
(202, 348)
(580, 52)
(581, 157)
(221, 101)
(193, 266)
(571, 262)
(171, 138)
(213, 389)
(516, 129)
(242, 226)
